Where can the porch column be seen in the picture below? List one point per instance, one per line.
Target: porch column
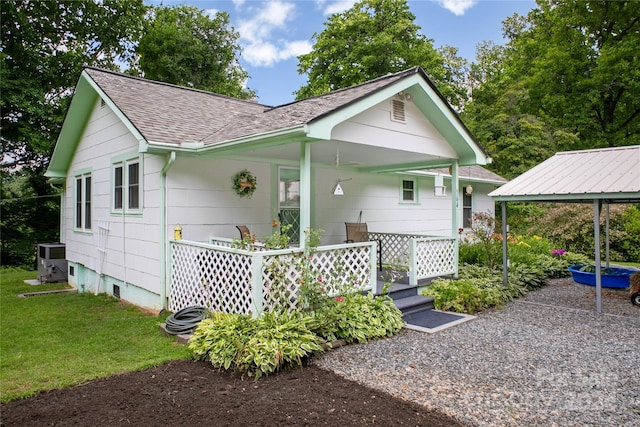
(597, 205)
(455, 201)
(305, 191)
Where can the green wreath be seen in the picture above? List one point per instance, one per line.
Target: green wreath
(244, 183)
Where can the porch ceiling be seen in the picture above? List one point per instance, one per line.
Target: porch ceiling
(365, 157)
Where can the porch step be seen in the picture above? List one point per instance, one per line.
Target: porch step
(411, 305)
(407, 300)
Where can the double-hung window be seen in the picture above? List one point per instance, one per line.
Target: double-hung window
(82, 196)
(409, 191)
(126, 189)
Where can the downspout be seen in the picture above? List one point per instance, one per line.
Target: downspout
(163, 229)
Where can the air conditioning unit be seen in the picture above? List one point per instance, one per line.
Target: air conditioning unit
(52, 262)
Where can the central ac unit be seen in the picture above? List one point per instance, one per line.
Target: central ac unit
(52, 262)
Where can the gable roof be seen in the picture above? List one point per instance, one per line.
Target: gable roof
(611, 174)
(167, 117)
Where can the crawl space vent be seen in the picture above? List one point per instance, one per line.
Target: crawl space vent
(116, 291)
(397, 111)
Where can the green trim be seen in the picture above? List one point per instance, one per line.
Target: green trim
(83, 104)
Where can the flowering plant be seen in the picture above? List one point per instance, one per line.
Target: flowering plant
(558, 252)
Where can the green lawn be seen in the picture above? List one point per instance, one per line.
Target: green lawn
(58, 340)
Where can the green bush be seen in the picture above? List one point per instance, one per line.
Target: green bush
(571, 227)
(462, 296)
(357, 318)
(257, 346)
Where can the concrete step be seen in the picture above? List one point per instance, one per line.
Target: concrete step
(412, 304)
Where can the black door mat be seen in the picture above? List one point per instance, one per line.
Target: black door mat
(434, 320)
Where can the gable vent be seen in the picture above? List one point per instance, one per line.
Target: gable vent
(398, 111)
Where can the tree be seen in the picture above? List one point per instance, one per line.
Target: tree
(183, 46)
(374, 38)
(45, 44)
(586, 76)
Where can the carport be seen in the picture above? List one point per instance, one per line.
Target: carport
(600, 177)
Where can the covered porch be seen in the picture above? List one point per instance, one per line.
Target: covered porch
(378, 142)
(227, 279)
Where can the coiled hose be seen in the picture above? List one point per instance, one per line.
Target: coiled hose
(185, 321)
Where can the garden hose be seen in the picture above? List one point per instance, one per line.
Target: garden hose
(185, 321)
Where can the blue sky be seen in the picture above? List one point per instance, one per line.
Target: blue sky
(273, 33)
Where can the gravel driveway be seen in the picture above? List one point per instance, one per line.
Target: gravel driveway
(547, 359)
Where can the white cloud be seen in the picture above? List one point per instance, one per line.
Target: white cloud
(265, 54)
(260, 47)
(331, 7)
(211, 13)
(457, 7)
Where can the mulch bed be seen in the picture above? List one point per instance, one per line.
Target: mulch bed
(188, 392)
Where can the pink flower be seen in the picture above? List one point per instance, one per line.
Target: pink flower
(320, 279)
(339, 299)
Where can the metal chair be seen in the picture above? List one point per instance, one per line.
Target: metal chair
(358, 232)
(244, 231)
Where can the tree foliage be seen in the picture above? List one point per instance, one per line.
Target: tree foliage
(374, 38)
(569, 72)
(183, 46)
(45, 44)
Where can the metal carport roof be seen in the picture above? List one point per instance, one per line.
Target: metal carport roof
(604, 175)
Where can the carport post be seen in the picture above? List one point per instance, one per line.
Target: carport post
(596, 234)
(505, 252)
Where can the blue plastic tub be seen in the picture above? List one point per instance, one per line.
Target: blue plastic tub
(612, 277)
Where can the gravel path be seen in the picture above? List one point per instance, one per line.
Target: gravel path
(545, 360)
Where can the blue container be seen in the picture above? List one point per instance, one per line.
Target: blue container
(612, 277)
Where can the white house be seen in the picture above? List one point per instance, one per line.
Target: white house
(138, 158)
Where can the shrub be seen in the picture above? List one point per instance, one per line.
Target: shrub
(257, 346)
(462, 296)
(357, 318)
(571, 226)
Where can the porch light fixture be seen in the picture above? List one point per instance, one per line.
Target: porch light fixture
(337, 189)
(440, 189)
(468, 189)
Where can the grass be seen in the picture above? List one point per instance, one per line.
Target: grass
(58, 340)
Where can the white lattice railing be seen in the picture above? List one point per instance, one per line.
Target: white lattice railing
(425, 256)
(230, 280)
(432, 257)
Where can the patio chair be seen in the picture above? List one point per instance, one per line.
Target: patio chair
(359, 232)
(244, 231)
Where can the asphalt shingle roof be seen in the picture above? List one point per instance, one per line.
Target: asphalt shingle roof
(172, 114)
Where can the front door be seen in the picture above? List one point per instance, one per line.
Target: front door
(289, 201)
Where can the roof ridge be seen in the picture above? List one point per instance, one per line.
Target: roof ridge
(175, 86)
(409, 71)
(593, 150)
